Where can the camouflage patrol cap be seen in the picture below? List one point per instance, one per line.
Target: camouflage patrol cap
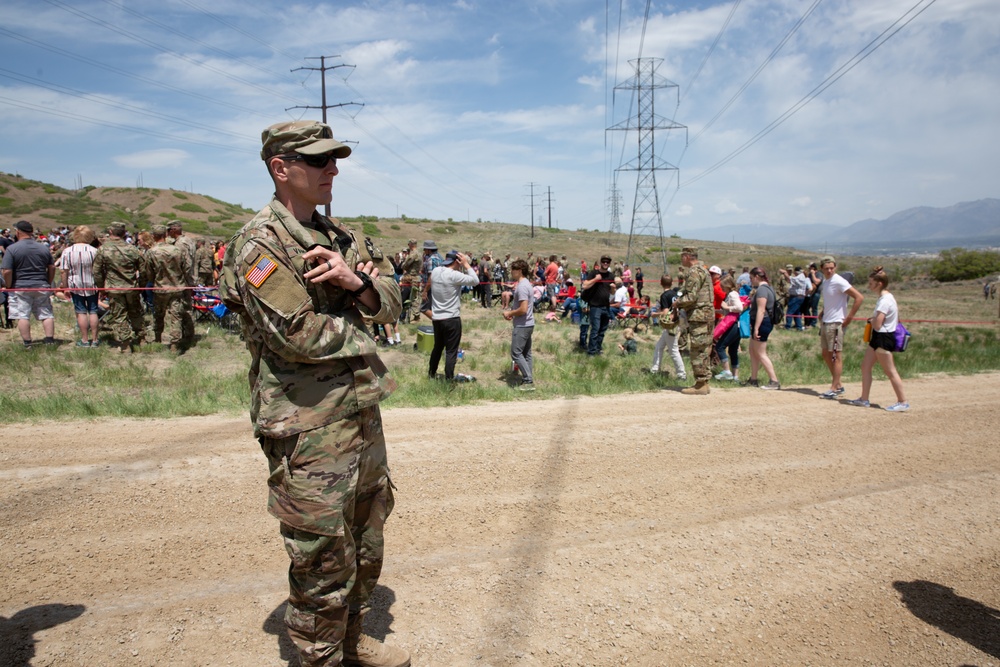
(307, 137)
(117, 228)
(689, 250)
(158, 230)
(789, 267)
(411, 242)
(175, 225)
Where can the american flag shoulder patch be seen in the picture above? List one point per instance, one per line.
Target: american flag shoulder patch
(260, 271)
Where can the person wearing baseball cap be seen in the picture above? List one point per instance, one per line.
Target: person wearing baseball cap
(718, 294)
(302, 285)
(446, 283)
(28, 264)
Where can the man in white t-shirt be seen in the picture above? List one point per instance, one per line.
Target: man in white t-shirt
(834, 319)
(522, 314)
(620, 299)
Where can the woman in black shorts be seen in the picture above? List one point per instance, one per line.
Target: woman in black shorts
(761, 307)
(882, 343)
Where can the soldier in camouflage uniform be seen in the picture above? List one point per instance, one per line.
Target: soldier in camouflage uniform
(695, 299)
(119, 265)
(204, 263)
(410, 283)
(175, 236)
(781, 286)
(167, 266)
(301, 285)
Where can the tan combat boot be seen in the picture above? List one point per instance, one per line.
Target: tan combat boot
(360, 650)
(700, 388)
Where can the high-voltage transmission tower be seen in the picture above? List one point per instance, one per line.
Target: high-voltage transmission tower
(615, 209)
(646, 216)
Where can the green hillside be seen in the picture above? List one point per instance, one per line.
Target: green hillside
(49, 206)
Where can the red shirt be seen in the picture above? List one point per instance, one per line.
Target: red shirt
(719, 295)
(551, 273)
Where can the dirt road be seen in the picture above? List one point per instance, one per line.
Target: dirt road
(746, 527)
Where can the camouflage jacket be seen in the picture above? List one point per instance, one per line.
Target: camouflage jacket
(411, 267)
(167, 266)
(313, 361)
(781, 285)
(696, 295)
(188, 246)
(204, 261)
(118, 264)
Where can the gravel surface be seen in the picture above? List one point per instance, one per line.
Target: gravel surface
(744, 527)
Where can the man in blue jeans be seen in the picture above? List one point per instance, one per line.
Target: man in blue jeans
(597, 288)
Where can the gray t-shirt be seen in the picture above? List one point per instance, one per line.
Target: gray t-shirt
(446, 288)
(29, 260)
(522, 292)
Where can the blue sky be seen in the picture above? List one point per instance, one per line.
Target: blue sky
(468, 102)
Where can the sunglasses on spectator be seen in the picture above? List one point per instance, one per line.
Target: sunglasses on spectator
(317, 161)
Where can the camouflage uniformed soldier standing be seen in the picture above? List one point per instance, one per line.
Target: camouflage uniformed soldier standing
(175, 235)
(411, 266)
(695, 299)
(204, 263)
(167, 266)
(120, 265)
(301, 284)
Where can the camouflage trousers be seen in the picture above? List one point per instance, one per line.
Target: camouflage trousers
(125, 317)
(330, 489)
(173, 311)
(700, 349)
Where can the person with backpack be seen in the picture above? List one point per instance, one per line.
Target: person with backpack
(762, 306)
(882, 344)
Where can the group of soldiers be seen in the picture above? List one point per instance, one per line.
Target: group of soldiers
(172, 264)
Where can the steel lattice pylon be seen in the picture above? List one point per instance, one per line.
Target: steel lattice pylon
(646, 216)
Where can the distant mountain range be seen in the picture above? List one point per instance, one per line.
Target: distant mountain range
(973, 224)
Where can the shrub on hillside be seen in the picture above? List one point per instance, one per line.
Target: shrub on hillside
(962, 264)
(189, 207)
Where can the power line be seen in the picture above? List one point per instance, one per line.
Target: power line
(162, 49)
(760, 68)
(851, 63)
(711, 50)
(138, 77)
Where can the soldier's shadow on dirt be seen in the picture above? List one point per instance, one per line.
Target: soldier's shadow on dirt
(968, 620)
(17, 633)
(377, 623)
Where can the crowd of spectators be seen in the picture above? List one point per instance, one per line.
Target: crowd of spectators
(602, 294)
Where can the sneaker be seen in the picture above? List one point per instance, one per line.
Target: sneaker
(830, 394)
(724, 375)
(771, 385)
(95, 343)
(462, 377)
(898, 407)
(27, 344)
(860, 402)
(839, 390)
(527, 386)
(750, 383)
(654, 369)
(83, 343)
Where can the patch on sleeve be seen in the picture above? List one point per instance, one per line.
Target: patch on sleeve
(261, 271)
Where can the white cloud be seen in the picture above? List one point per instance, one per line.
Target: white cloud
(684, 211)
(154, 159)
(801, 202)
(726, 206)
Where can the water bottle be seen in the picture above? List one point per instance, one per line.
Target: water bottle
(461, 354)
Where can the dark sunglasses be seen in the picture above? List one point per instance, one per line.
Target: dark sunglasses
(317, 161)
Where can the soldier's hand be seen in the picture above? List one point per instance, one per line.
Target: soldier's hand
(369, 268)
(330, 267)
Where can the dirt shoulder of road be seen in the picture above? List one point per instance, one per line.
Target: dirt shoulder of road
(650, 529)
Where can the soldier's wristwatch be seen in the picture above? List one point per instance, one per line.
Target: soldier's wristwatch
(366, 283)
